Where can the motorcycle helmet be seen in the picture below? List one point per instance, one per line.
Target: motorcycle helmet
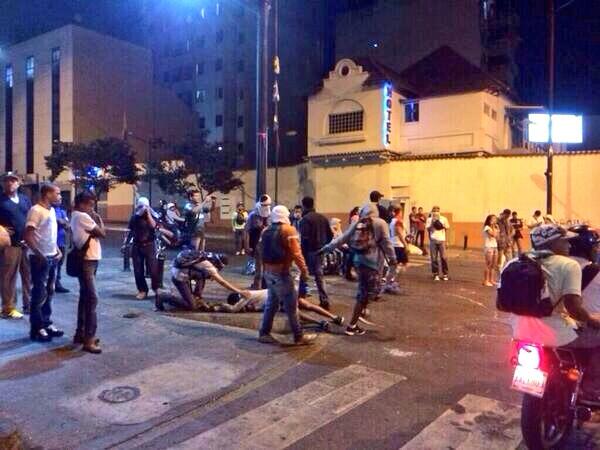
(584, 244)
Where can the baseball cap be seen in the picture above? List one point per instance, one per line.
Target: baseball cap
(545, 234)
(10, 175)
(376, 195)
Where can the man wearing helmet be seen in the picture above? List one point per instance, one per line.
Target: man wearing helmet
(570, 325)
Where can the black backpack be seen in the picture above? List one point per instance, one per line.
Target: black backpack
(521, 286)
(187, 258)
(363, 237)
(272, 245)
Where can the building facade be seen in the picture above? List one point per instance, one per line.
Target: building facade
(76, 85)
(207, 54)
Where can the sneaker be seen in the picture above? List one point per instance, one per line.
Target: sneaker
(243, 252)
(445, 278)
(12, 315)
(141, 295)
(306, 339)
(338, 320)
(54, 332)
(40, 336)
(354, 330)
(267, 339)
(436, 278)
(488, 284)
(366, 321)
(237, 253)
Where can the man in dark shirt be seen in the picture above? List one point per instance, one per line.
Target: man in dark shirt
(143, 251)
(13, 259)
(384, 214)
(315, 232)
(258, 220)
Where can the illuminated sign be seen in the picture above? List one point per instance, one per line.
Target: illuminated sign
(387, 115)
(566, 128)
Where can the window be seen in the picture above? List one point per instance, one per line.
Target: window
(219, 93)
(30, 67)
(240, 65)
(218, 65)
(219, 36)
(219, 120)
(188, 45)
(241, 38)
(345, 122)
(200, 96)
(240, 121)
(8, 76)
(218, 9)
(186, 97)
(55, 56)
(411, 112)
(203, 13)
(202, 123)
(199, 68)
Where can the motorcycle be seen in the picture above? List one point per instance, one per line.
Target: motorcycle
(550, 379)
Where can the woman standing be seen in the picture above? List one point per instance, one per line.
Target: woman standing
(490, 249)
(87, 228)
(517, 225)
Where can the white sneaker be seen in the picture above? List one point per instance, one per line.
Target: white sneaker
(243, 252)
(445, 278)
(237, 253)
(141, 295)
(436, 278)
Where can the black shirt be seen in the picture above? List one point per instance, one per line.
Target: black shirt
(140, 229)
(13, 215)
(315, 231)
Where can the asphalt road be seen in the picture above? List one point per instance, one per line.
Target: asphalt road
(433, 374)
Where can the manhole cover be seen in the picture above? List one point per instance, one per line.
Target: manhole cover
(119, 394)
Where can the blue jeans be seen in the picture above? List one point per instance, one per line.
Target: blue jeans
(438, 251)
(281, 289)
(315, 268)
(43, 274)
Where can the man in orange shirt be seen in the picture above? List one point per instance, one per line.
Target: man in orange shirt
(281, 247)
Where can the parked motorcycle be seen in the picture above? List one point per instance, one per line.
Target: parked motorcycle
(550, 379)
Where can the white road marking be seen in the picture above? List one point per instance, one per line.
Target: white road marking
(474, 423)
(287, 419)
(399, 353)
(161, 388)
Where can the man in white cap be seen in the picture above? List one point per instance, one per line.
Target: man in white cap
(281, 247)
(143, 252)
(563, 278)
(258, 220)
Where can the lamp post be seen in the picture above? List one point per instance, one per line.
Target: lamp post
(550, 154)
(262, 97)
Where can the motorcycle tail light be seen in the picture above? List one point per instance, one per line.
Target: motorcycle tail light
(573, 374)
(529, 356)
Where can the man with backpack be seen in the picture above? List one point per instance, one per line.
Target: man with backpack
(258, 220)
(558, 319)
(368, 239)
(281, 247)
(315, 232)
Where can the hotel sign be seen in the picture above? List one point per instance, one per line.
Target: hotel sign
(387, 115)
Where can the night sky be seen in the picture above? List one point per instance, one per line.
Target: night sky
(577, 40)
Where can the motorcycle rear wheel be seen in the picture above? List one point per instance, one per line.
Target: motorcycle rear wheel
(546, 422)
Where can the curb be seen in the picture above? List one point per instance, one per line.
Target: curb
(248, 321)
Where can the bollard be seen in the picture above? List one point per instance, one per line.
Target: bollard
(466, 242)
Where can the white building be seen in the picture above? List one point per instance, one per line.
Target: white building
(441, 105)
(76, 85)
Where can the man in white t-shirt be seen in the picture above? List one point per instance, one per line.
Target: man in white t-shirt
(563, 279)
(41, 230)
(437, 225)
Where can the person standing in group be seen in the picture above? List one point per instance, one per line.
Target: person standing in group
(315, 232)
(504, 238)
(398, 237)
(296, 217)
(258, 220)
(437, 225)
(375, 197)
(87, 228)
(62, 222)
(195, 212)
(40, 235)
(13, 214)
(142, 228)
(420, 238)
(517, 239)
(369, 242)
(281, 247)
(238, 222)
(413, 217)
(490, 250)
(536, 220)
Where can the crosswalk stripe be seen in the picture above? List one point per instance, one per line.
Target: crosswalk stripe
(475, 423)
(287, 419)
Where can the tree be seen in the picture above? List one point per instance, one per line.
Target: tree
(196, 164)
(98, 165)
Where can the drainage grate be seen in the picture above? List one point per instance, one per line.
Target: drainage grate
(119, 394)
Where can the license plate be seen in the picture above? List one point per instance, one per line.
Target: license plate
(529, 381)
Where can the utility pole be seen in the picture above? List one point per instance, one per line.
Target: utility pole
(550, 155)
(276, 71)
(262, 98)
